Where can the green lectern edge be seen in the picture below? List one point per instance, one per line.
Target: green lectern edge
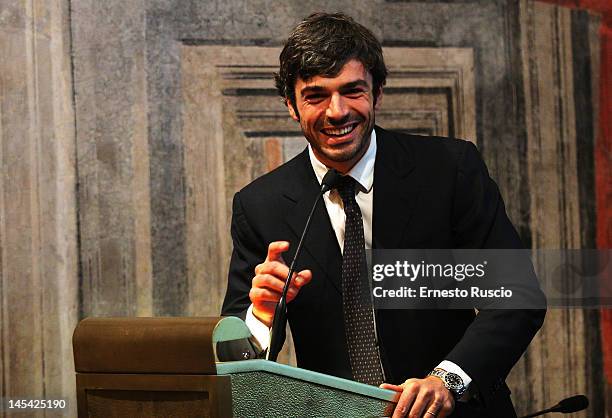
(246, 366)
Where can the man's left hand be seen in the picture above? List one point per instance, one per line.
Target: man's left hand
(422, 398)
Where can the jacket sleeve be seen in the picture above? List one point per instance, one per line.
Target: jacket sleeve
(497, 338)
(248, 251)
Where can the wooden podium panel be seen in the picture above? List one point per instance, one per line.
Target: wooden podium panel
(149, 367)
(153, 395)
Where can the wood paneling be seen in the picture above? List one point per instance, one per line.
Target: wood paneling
(38, 235)
(561, 360)
(112, 158)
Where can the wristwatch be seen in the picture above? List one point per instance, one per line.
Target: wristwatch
(453, 382)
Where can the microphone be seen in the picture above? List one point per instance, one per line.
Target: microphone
(572, 404)
(277, 334)
(331, 179)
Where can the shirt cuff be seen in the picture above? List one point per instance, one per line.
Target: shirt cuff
(451, 367)
(259, 330)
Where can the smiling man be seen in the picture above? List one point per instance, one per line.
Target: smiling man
(398, 191)
(336, 114)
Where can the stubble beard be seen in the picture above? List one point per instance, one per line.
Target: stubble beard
(348, 154)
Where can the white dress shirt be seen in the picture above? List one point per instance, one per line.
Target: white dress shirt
(363, 173)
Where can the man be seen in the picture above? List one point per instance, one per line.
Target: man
(399, 191)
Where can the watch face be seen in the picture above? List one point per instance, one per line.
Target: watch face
(453, 381)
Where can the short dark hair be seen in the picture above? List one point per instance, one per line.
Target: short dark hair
(320, 45)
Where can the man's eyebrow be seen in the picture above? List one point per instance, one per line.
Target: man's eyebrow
(353, 84)
(311, 89)
(347, 86)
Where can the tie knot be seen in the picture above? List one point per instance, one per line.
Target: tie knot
(346, 189)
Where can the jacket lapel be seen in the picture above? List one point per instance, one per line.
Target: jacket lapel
(396, 190)
(320, 242)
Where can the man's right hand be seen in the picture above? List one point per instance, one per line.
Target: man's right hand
(267, 285)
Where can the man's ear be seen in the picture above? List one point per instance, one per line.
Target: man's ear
(378, 99)
(292, 111)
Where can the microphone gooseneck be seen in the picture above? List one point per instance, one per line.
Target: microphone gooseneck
(330, 180)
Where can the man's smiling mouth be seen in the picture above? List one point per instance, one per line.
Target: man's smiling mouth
(339, 131)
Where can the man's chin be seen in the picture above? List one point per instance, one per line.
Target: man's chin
(340, 157)
(341, 153)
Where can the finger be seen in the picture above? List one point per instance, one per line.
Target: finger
(303, 277)
(275, 285)
(270, 287)
(268, 281)
(277, 273)
(275, 250)
(297, 281)
(447, 408)
(391, 387)
(435, 409)
(275, 268)
(292, 293)
(405, 402)
(422, 401)
(259, 295)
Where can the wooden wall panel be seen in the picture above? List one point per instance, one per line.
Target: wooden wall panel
(563, 359)
(38, 235)
(113, 158)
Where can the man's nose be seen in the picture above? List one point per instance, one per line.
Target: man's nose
(337, 109)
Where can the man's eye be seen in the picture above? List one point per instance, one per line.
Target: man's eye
(314, 98)
(354, 93)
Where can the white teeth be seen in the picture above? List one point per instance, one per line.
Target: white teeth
(339, 132)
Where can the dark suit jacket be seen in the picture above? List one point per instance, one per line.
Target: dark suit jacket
(428, 193)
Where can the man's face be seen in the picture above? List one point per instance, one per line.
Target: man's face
(336, 114)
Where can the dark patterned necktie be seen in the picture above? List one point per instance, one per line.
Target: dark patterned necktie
(356, 301)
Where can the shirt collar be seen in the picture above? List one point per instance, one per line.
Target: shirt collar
(362, 172)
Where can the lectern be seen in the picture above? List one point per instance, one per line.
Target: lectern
(169, 367)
